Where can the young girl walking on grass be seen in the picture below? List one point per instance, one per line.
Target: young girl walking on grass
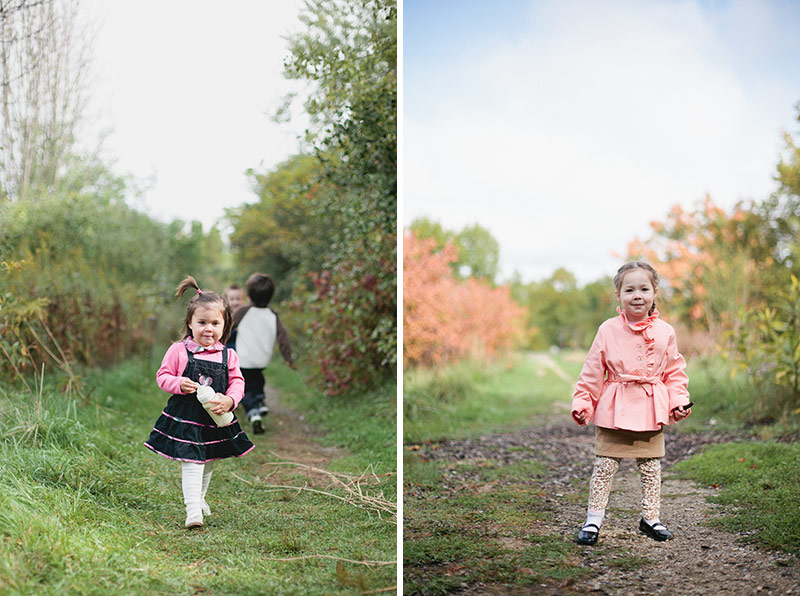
(632, 384)
(185, 431)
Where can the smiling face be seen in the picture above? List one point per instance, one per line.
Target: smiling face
(235, 298)
(636, 294)
(207, 324)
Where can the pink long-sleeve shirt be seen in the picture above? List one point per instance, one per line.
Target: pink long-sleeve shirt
(170, 373)
(633, 376)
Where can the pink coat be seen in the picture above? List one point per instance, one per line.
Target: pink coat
(170, 373)
(633, 376)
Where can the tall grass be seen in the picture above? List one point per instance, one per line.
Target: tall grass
(472, 397)
(731, 402)
(469, 398)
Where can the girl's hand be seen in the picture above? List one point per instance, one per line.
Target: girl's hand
(580, 417)
(679, 413)
(222, 404)
(188, 386)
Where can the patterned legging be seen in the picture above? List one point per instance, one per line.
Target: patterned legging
(649, 474)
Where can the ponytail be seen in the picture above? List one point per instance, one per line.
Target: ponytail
(201, 298)
(187, 283)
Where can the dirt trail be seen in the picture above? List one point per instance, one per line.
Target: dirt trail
(546, 360)
(289, 438)
(699, 561)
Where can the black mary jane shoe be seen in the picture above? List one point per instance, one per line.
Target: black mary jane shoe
(588, 537)
(657, 531)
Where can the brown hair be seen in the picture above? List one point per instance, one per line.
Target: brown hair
(207, 299)
(637, 265)
(260, 289)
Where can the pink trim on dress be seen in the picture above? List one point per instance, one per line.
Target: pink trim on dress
(197, 423)
(195, 461)
(195, 442)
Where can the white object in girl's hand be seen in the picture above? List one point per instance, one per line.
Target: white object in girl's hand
(204, 395)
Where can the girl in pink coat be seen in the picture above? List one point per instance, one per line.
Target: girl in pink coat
(632, 384)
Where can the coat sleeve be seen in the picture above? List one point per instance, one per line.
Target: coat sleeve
(169, 375)
(675, 377)
(590, 383)
(283, 342)
(235, 379)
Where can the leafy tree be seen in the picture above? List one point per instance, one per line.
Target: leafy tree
(278, 235)
(348, 53)
(766, 343)
(782, 209)
(552, 306)
(713, 263)
(598, 304)
(446, 319)
(478, 251)
(424, 227)
(560, 313)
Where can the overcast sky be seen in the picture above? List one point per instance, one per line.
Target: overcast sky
(187, 88)
(564, 126)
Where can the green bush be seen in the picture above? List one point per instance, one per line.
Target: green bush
(766, 347)
(83, 278)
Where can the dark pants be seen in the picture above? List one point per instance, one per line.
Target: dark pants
(254, 398)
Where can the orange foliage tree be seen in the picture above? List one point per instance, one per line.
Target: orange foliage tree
(713, 263)
(445, 319)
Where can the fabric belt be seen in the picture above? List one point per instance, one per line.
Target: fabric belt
(646, 382)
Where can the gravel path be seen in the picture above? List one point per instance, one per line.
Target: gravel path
(699, 561)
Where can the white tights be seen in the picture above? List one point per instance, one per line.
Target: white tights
(195, 479)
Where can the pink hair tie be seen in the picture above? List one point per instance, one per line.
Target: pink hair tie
(199, 291)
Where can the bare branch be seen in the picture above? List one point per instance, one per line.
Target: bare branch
(306, 557)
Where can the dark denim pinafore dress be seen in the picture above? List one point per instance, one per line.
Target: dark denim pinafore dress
(184, 431)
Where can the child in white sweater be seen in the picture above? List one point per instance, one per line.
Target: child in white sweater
(258, 329)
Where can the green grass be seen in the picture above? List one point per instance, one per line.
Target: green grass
(458, 532)
(468, 399)
(759, 486)
(86, 509)
(462, 535)
(364, 423)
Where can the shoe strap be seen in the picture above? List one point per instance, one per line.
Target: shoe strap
(595, 526)
(658, 526)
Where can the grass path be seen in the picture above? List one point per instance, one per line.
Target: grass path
(322, 538)
(85, 508)
(493, 499)
(498, 514)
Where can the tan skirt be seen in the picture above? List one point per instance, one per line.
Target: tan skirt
(611, 442)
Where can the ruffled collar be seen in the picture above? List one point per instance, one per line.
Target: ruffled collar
(195, 347)
(640, 326)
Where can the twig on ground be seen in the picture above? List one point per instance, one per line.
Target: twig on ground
(355, 495)
(301, 558)
(242, 479)
(378, 591)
